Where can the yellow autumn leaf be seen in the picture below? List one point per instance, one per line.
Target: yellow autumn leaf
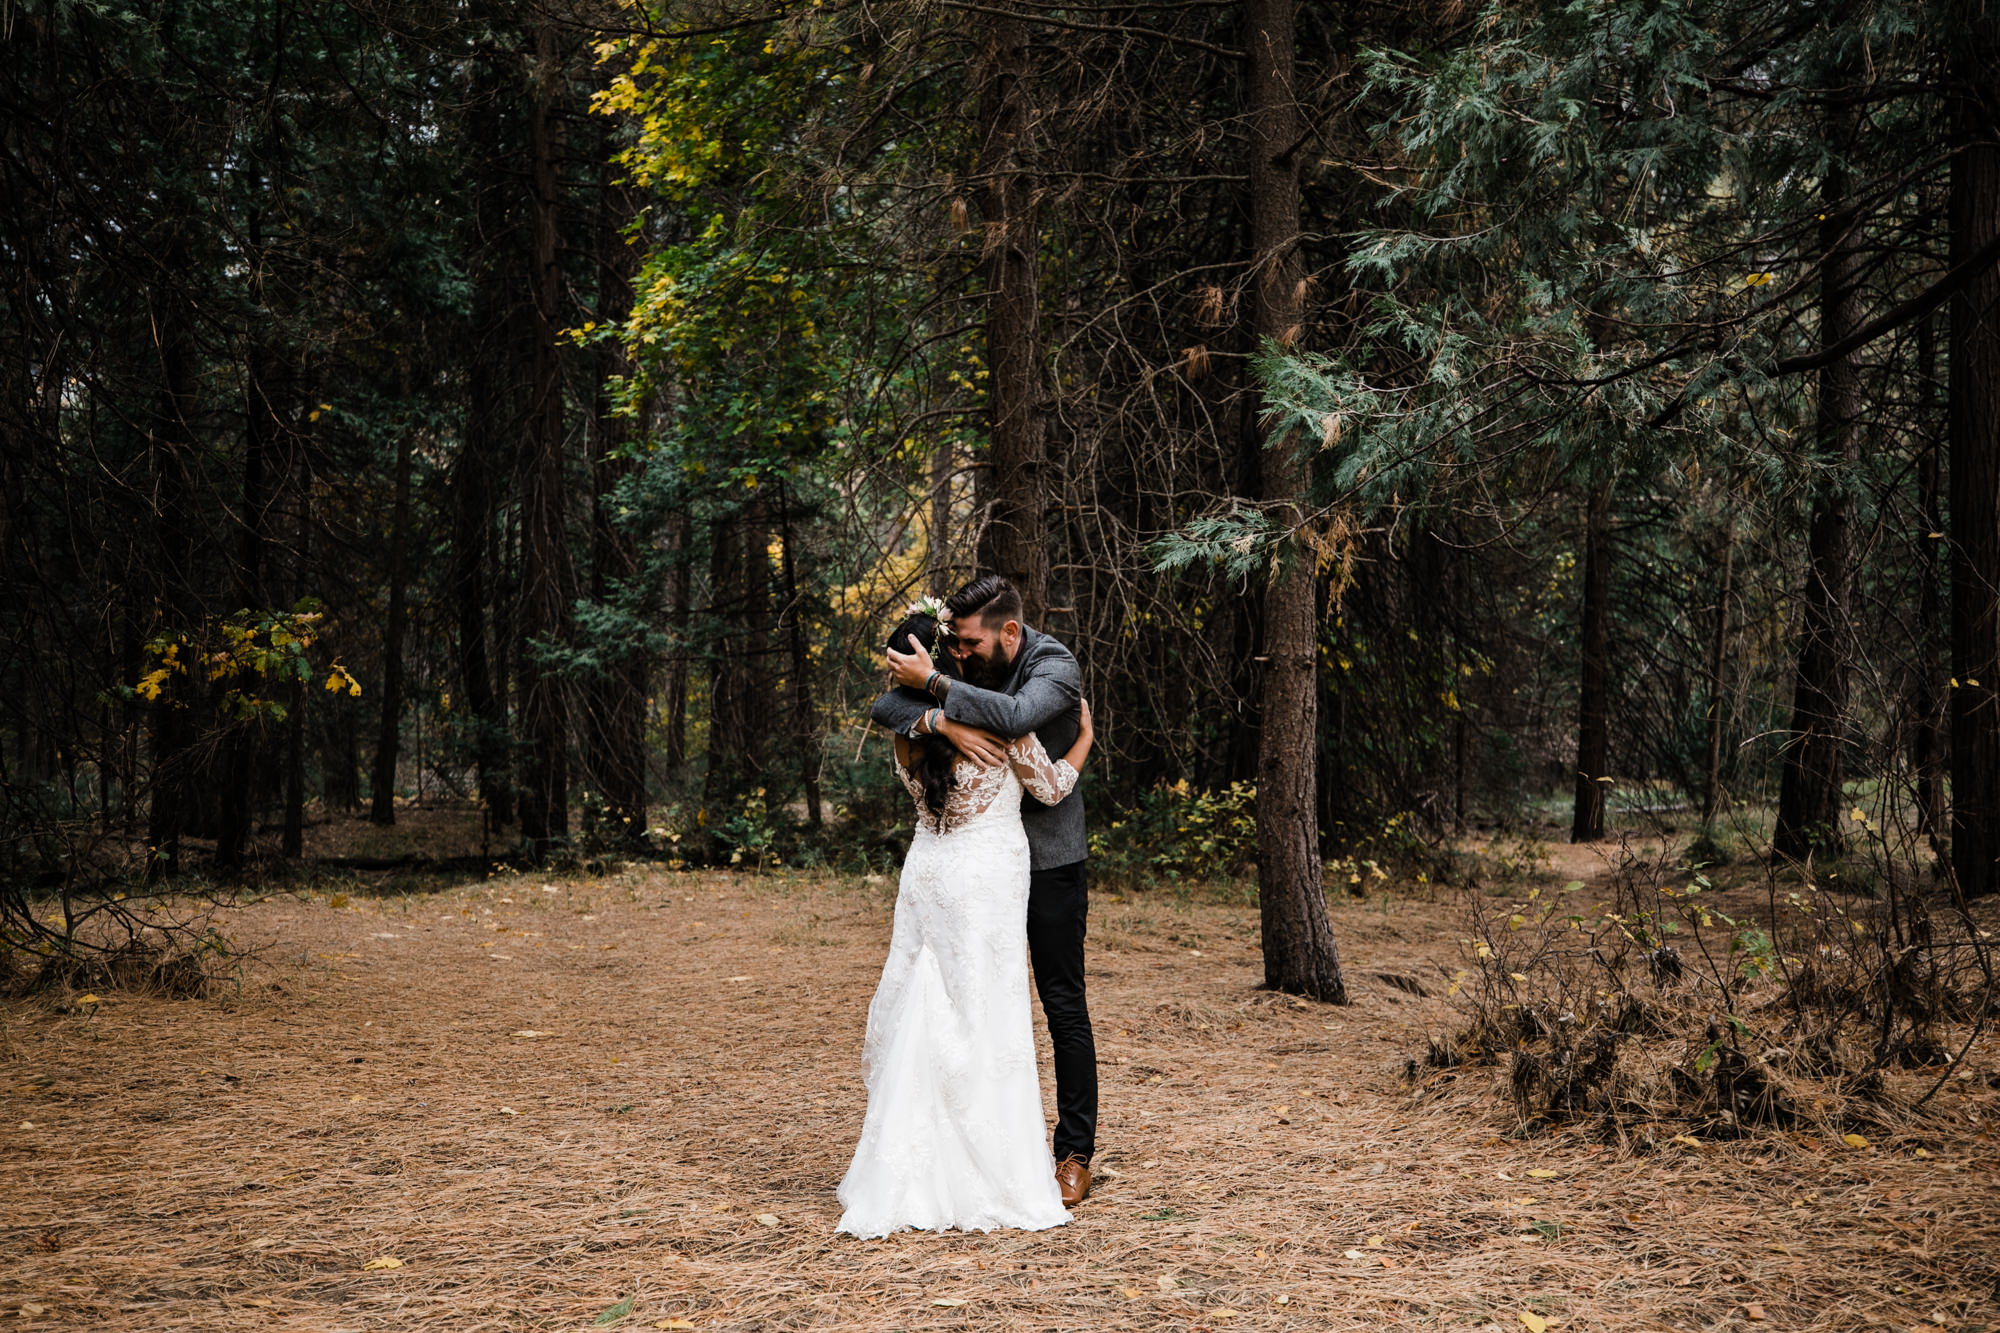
(1858, 815)
(377, 1265)
(1688, 1139)
(1130, 1293)
(1854, 1140)
(1377, 1242)
(1749, 280)
(675, 1323)
(949, 1302)
(767, 1219)
(1224, 1313)
(1534, 1322)
(1354, 1254)
(528, 1032)
(1166, 1282)
(88, 999)
(1542, 1173)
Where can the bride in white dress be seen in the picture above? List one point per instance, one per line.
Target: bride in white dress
(954, 1136)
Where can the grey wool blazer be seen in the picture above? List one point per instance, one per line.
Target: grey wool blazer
(1040, 695)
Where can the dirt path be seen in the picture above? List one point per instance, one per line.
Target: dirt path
(675, 1132)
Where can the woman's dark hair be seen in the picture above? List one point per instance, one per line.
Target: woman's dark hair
(934, 756)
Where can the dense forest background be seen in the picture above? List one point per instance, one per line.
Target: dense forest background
(1415, 416)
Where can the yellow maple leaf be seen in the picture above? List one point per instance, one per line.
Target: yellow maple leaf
(376, 1265)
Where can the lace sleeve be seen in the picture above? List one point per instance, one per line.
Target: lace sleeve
(1047, 780)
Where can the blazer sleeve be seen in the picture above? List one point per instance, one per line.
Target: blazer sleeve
(899, 709)
(1052, 687)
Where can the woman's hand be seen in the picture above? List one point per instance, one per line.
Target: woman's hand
(1086, 734)
(911, 669)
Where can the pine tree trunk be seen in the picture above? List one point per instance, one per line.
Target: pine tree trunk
(1926, 732)
(1300, 955)
(545, 570)
(1974, 433)
(1811, 785)
(1593, 695)
(388, 737)
(1014, 543)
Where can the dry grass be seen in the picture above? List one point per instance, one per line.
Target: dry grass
(235, 1163)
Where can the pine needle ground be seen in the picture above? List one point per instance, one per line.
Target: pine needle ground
(672, 1133)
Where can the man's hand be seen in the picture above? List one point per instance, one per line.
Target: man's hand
(981, 747)
(911, 669)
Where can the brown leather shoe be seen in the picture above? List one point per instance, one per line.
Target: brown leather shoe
(1073, 1179)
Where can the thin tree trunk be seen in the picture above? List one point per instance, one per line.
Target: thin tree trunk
(472, 528)
(804, 734)
(1926, 714)
(1593, 695)
(1014, 543)
(937, 553)
(1718, 643)
(614, 729)
(171, 448)
(681, 614)
(1974, 464)
(545, 571)
(1300, 955)
(1811, 786)
(388, 739)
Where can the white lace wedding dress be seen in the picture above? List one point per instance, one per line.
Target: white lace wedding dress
(954, 1135)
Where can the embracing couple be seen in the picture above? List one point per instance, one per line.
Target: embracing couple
(990, 732)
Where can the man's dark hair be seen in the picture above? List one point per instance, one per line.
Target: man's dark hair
(993, 599)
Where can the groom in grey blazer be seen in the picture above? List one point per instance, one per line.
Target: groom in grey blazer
(1016, 680)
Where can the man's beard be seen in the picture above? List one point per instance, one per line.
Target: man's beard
(978, 670)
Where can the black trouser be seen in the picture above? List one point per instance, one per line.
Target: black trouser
(1058, 903)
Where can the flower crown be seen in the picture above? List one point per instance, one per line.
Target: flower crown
(935, 608)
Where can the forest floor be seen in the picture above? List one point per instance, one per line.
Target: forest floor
(534, 1103)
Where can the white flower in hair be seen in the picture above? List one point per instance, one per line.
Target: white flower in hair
(933, 607)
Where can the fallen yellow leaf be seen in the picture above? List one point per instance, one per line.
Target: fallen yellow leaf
(1854, 1140)
(1281, 1299)
(767, 1219)
(1535, 1323)
(386, 1261)
(508, 1110)
(949, 1302)
(1376, 1242)
(88, 999)
(1689, 1139)
(1542, 1173)
(675, 1323)
(527, 1032)
(1130, 1293)
(1354, 1254)
(1166, 1282)
(1224, 1313)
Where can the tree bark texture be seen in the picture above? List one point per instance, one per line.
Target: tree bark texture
(546, 577)
(1593, 694)
(1300, 955)
(1973, 431)
(1811, 785)
(1014, 543)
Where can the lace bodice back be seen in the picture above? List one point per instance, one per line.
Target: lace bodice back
(976, 790)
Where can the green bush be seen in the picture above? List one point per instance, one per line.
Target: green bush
(1177, 833)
